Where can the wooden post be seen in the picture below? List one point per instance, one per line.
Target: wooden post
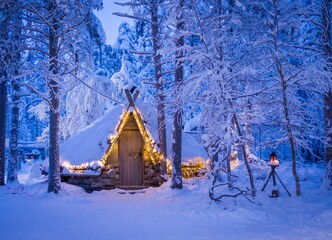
(136, 95)
(129, 97)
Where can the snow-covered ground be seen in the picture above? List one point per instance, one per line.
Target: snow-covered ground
(28, 212)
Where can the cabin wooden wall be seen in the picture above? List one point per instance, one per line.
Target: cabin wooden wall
(112, 162)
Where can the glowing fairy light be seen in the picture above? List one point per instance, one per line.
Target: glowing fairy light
(191, 168)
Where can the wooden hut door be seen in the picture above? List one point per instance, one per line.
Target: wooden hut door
(130, 156)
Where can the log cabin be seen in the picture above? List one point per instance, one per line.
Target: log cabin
(121, 150)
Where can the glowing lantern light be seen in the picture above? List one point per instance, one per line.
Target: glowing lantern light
(273, 159)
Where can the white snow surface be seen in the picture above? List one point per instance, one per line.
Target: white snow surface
(28, 212)
(91, 143)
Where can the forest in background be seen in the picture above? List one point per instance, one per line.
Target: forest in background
(247, 77)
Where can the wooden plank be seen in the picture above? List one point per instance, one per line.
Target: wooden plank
(129, 97)
(113, 158)
(136, 95)
(131, 124)
(130, 156)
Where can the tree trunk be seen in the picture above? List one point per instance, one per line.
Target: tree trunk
(229, 170)
(159, 86)
(54, 179)
(328, 144)
(4, 61)
(177, 150)
(285, 101)
(177, 114)
(289, 130)
(12, 175)
(327, 45)
(3, 103)
(13, 140)
(245, 157)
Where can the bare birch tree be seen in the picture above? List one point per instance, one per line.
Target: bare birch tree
(177, 104)
(293, 91)
(13, 161)
(9, 58)
(4, 61)
(55, 25)
(54, 179)
(327, 48)
(218, 72)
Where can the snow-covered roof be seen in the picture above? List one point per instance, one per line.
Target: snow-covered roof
(91, 143)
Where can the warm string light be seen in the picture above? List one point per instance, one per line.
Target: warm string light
(125, 118)
(147, 139)
(189, 169)
(80, 169)
(234, 163)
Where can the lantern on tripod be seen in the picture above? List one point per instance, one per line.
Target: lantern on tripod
(274, 163)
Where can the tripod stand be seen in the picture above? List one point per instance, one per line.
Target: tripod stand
(273, 173)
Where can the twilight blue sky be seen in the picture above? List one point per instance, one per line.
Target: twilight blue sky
(111, 22)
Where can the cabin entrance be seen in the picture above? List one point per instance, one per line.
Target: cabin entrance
(130, 155)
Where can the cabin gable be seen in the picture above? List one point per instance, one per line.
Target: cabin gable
(133, 146)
